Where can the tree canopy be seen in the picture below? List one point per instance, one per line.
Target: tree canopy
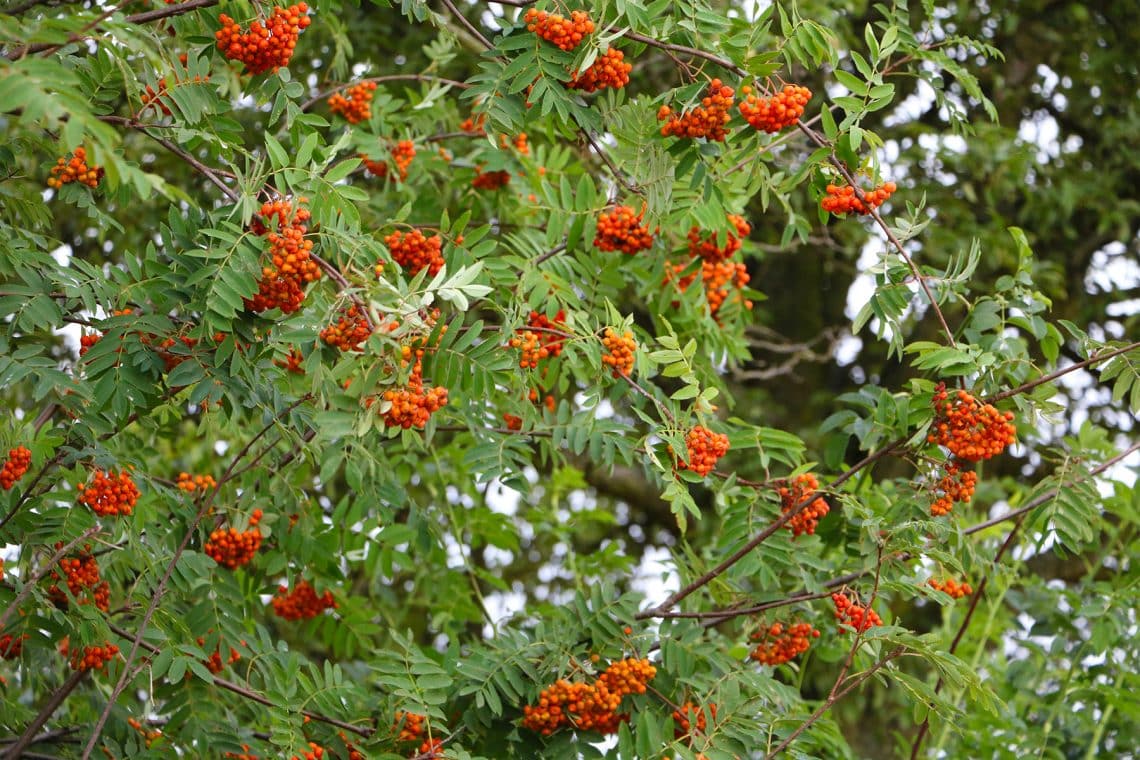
(527, 379)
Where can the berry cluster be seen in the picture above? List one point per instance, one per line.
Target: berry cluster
(691, 717)
(536, 346)
(12, 645)
(707, 249)
(413, 251)
(90, 339)
(191, 483)
(547, 401)
(18, 461)
(619, 352)
(852, 614)
(91, 658)
(512, 421)
(170, 359)
(291, 362)
(956, 485)
(403, 154)
(430, 749)
(263, 48)
(83, 581)
(952, 587)
(708, 120)
(473, 125)
(621, 230)
(719, 278)
(214, 662)
(608, 70)
(413, 405)
(804, 521)
(842, 200)
(282, 284)
(555, 28)
(520, 143)
(354, 103)
(408, 726)
(589, 706)
(773, 114)
(490, 180)
(109, 495)
(778, 643)
(232, 548)
(302, 602)
(350, 330)
(705, 448)
(971, 430)
(75, 169)
(149, 735)
(245, 754)
(314, 752)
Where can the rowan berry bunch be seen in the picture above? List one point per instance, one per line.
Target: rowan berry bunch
(552, 341)
(705, 447)
(535, 346)
(555, 28)
(691, 717)
(801, 488)
(608, 70)
(413, 405)
(403, 154)
(707, 248)
(195, 483)
(956, 485)
(490, 180)
(109, 495)
(589, 706)
(513, 422)
(473, 125)
(245, 754)
(842, 199)
(90, 339)
(18, 461)
(779, 643)
(170, 359)
(408, 726)
(851, 613)
(414, 251)
(264, 48)
(91, 657)
(214, 662)
(232, 548)
(520, 143)
(75, 169)
(547, 401)
(773, 114)
(620, 229)
(314, 752)
(373, 167)
(708, 120)
(350, 330)
(149, 735)
(291, 362)
(291, 267)
(972, 431)
(620, 349)
(430, 749)
(952, 587)
(354, 103)
(724, 279)
(83, 581)
(12, 645)
(302, 602)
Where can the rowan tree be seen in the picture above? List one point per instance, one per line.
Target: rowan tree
(633, 379)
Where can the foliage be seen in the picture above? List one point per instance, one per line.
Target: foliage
(416, 376)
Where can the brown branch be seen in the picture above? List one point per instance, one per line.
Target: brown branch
(160, 589)
(44, 570)
(1062, 372)
(467, 24)
(242, 691)
(49, 708)
(763, 535)
(139, 18)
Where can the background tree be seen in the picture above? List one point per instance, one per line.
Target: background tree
(492, 380)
